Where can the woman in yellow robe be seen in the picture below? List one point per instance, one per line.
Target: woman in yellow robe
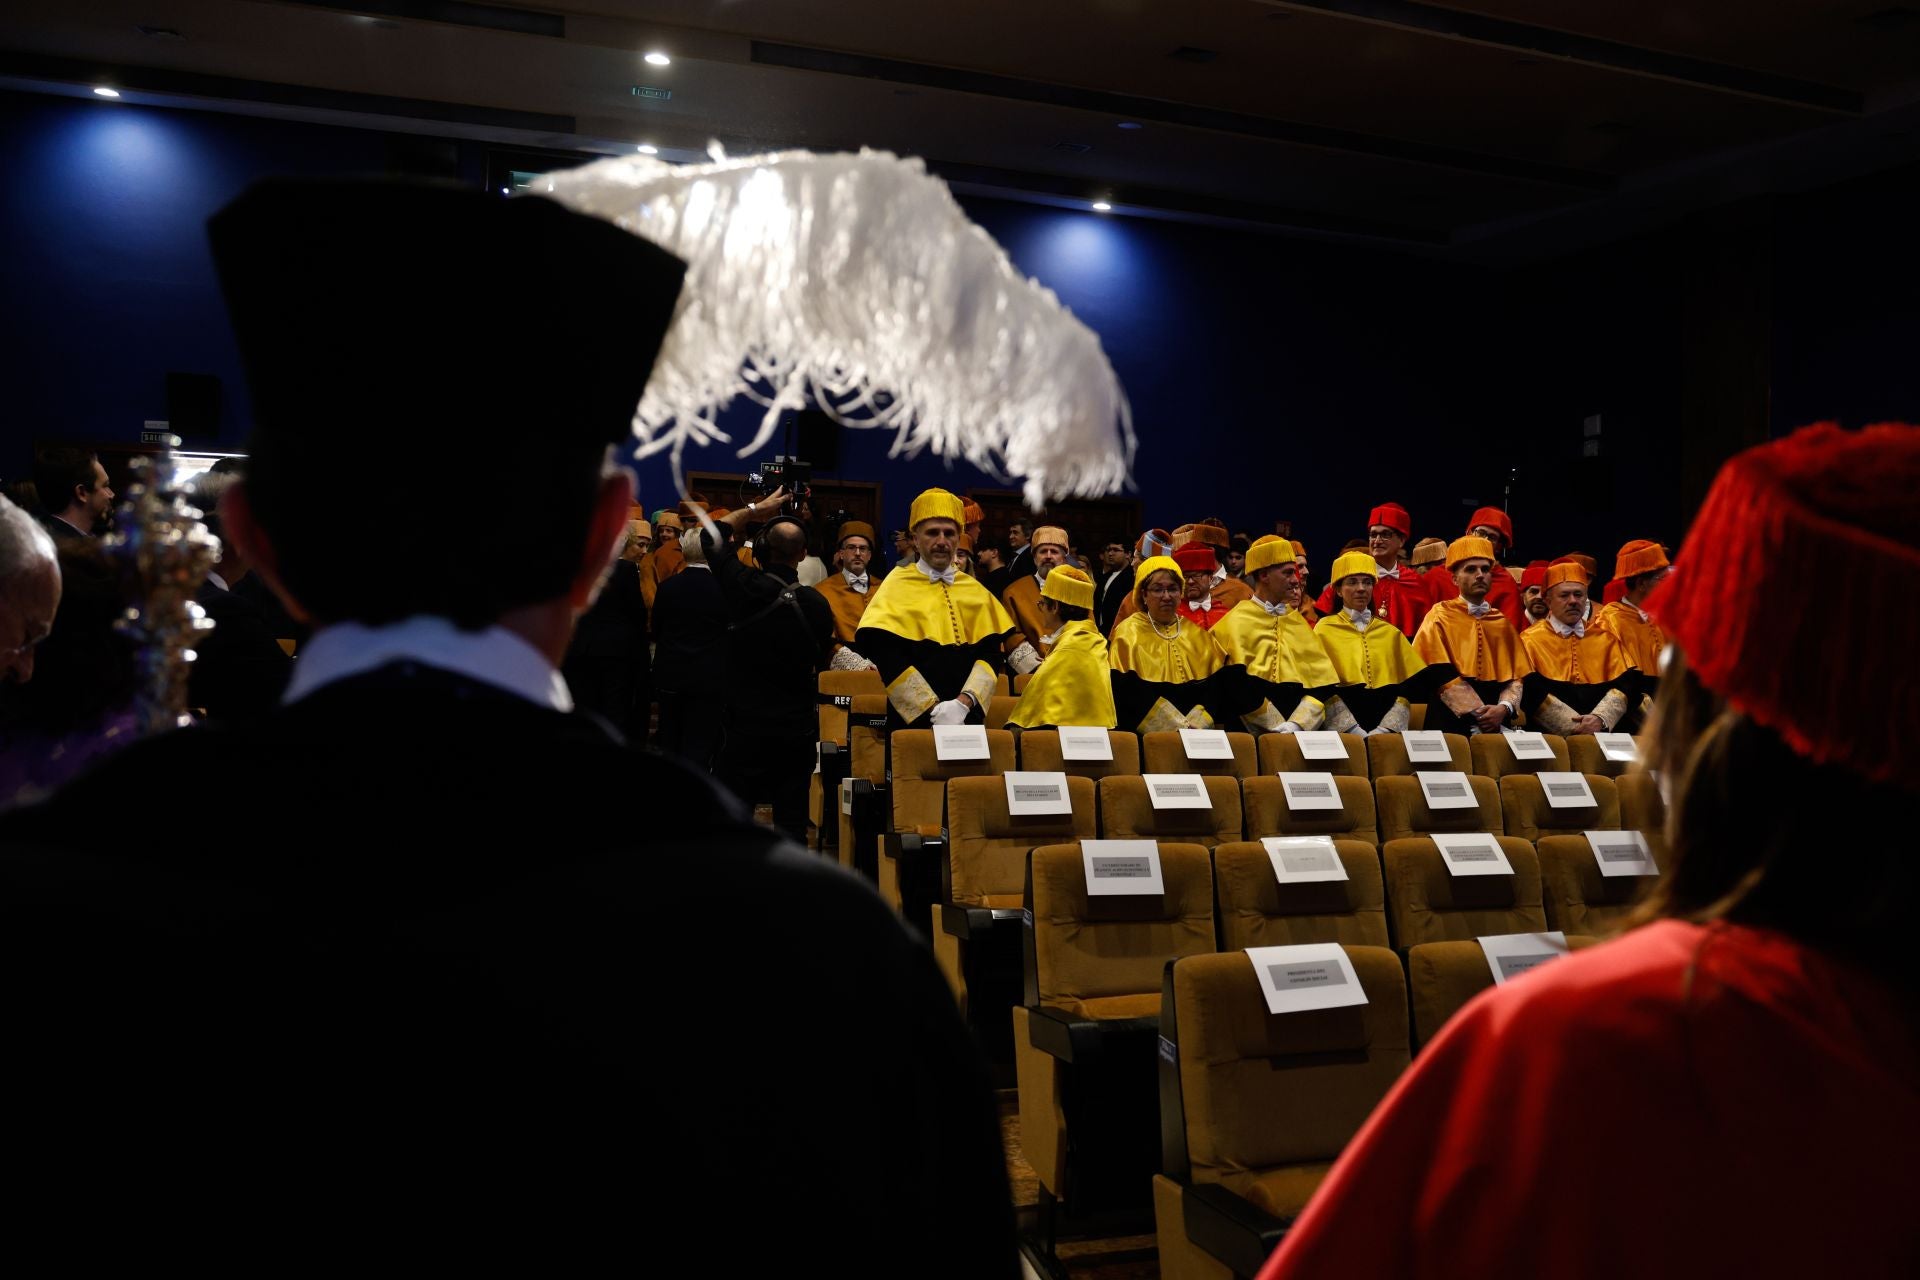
(1072, 685)
(1167, 672)
(1381, 677)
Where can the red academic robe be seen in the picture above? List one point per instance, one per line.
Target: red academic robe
(1503, 595)
(1684, 1101)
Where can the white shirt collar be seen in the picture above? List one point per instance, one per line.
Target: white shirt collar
(1360, 619)
(1273, 610)
(1578, 629)
(494, 657)
(946, 577)
(1039, 577)
(218, 581)
(1220, 574)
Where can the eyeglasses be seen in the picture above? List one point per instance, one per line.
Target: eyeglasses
(1166, 589)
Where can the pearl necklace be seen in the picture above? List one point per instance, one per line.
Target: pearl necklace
(1162, 634)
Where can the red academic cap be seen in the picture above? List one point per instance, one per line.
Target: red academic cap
(1393, 516)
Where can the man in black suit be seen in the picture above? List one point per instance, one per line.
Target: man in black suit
(457, 975)
(239, 668)
(74, 495)
(1111, 585)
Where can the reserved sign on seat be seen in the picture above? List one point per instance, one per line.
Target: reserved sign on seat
(1426, 746)
(1448, 791)
(1527, 746)
(1567, 790)
(1177, 791)
(1512, 954)
(1472, 854)
(1311, 791)
(1304, 859)
(1034, 793)
(1321, 745)
(1122, 867)
(960, 742)
(1085, 742)
(1206, 744)
(1317, 975)
(1618, 746)
(1622, 853)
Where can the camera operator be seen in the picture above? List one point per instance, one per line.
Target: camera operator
(779, 637)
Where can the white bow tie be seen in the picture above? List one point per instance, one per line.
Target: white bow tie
(1480, 610)
(1578, 630)
(1360, 619)
(1390, 573)
(946, 577)
(1274, 610)
(858, 584)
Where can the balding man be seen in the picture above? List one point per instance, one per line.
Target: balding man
(29, 590)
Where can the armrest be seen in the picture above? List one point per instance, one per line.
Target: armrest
(870, 811)
(911, 846)
(1085, 1040)
(976, 922)
(1236, 1231)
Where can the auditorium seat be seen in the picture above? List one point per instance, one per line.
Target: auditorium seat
(1255, 1107)
(1493, 756)
(1281, 753)
(1040, 751)
(1001, 686)
(1163, 752)
(1578, 898)
(1387, 756)
(1265, 801)
(983, 869)
(1020, 683)
(862, 820)
(999, 707)
(908, 871)
(1523, 803)
(1443, 976)
(1417, 717)
(1126, 813)
(1254, 909)
(1402, 808)
(1428, 903)
(1642, 809)
(1585, 756)
(1085, 1035)
(837, 690)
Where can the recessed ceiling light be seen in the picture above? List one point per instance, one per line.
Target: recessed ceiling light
(1131, 124)
(658, 59)
(105, 92)
(648, 149)
(505, 192)
(1101, 206)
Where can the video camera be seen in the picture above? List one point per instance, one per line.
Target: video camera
(795, 475)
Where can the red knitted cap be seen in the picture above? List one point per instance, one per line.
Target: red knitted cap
(1828, 505)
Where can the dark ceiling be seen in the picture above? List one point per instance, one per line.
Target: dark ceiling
(1498, 131)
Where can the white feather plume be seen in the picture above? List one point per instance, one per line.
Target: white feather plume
(856, 282)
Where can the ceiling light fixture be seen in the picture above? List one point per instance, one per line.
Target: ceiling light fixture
(1101, 206)
(658, 59)
(648, 149)
(105, 92)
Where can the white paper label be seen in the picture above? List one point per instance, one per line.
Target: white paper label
(1618, 746)
(1426, 746)
(1566, 790)
(1448, 791)
(1512, 954)
(960, 742)
(1473, 854)
(846, 796)
(1622, 853)
(1528, 746)
(1206, 744)
(1177, 791)
(1316, 976)
(1304, 859)
(1122, 867)
(1085, 742)
(1035, 793)
(1321, 745)
(1311, 791)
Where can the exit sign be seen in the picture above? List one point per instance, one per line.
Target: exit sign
(646, 91)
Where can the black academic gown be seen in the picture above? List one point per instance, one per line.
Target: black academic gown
(460, 979)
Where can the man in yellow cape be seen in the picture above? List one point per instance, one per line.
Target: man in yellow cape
(1074, 685)
(1287, 670)
(1380, 674)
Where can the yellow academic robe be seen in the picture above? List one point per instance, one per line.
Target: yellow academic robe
(933, 642)
(1282, 656)
(1073, 686)
(1190, 653)
(1375, 658)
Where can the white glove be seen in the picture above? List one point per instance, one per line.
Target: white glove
(1287, 726)
(952, 711)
